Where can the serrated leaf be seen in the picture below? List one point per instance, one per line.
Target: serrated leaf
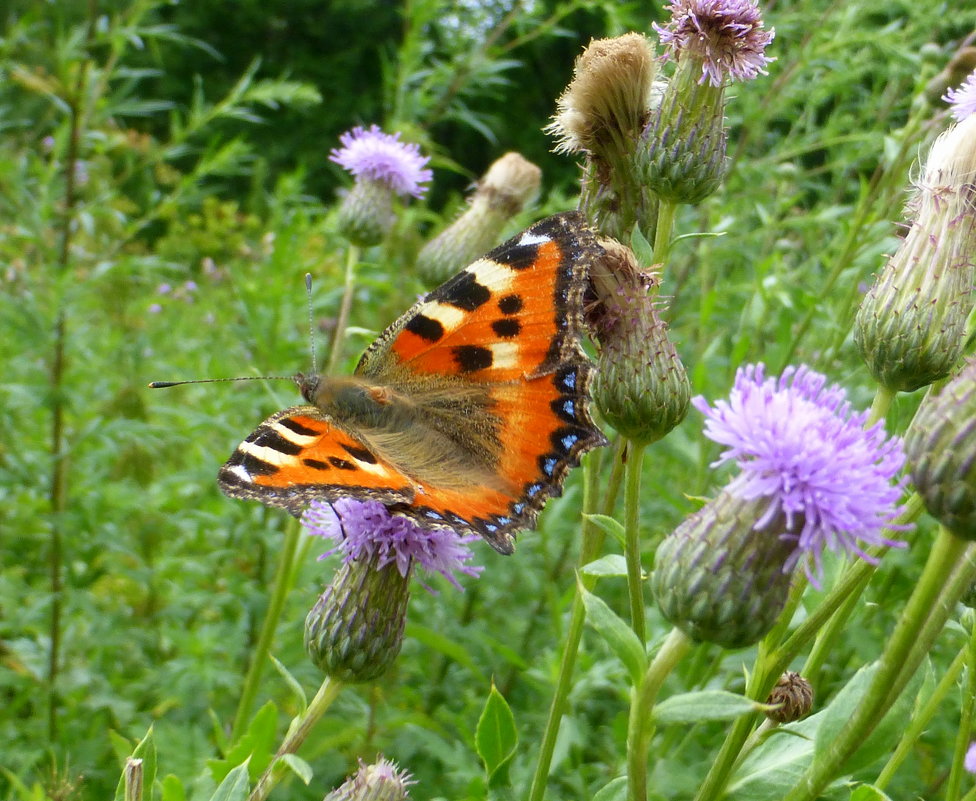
(608, 525)
(298, 766)
(292, 682)
(618, 635)
(235, 785)
(613, 564)
(495, 736)
(614, 790)
(146, 751)
(868, 792)
(704, 705)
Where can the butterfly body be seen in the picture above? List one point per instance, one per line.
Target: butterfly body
(467, 412)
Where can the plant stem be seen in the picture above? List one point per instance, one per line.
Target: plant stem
(662, 234)
(947, 551)
(284, 576)
(635, 575)
(301, 726)
(640, 726)
(349, 288)
(966, 656)
(592, 543)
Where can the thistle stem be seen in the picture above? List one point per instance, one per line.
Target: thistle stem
(342, 322)
(640, 726)
(662, 234)
(283, 581)
(966, 656)
(635, 575)
(301, 726)
(947, 552)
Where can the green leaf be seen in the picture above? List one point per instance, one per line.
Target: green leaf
(643, 249)
(618, 635)
(614, 790)
(608, 525)
(705, 705)
(868, 792)
(257, 745)
(146, 751)
(613, 564)
(298, 766)
(496, 736)
(445, 645)
(235, 785)
(292, 682)
(173, 789)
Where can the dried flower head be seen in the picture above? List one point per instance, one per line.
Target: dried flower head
(803, 451)
(370, 154)
(510, 183)
(911, 325)
(794, 694)
(381, 781)
(366, 529)
(725, 37)
(962, 99)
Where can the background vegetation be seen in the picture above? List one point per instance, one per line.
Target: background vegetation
(163, 189)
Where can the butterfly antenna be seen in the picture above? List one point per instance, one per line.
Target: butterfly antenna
(164, 384)
(311, 324)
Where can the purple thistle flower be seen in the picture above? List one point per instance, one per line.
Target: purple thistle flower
(799, 444)
(382, 157)
(725, 35)
(362, 529)
(962, 100)
(969, 762)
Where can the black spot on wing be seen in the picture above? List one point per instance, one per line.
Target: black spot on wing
(252, 464)
(268, 438)
(566, 438)
(342, 464)
(425, 327)
(360, 454)
(506, 328)
(463, 292)
(315, 464)
(298, 428)
(510, 304)
(472, 357)
(516, 256)
(565, 409)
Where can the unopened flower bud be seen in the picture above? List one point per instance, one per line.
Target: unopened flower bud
(355, 630)
(941, 449)
(510, 183)
(641, 387)
(366, 213)
(794, 694)
(910, 328)
(721, 578)
(382, 781)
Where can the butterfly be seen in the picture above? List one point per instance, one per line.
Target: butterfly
(467, 412)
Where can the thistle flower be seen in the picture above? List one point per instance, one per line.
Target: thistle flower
(941, 447)
(601, 114)
(510, 183)
(962, 99)
(910, 328)
(641, 387)
(714, 42)
(383, 166)
(794, 694)
(355, 630)
(382, 781)
(811, 477)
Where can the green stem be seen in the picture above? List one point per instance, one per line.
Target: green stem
(635, 575)
(662, 234)
(879, 407)
(827, 637)
(640, 726)
(920, 721)
(284, 575)
(349, 288)
(592, 543)
(947, 551)
(298, 731)
(964, 734)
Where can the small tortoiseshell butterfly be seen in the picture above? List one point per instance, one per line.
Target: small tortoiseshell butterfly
(467, 412)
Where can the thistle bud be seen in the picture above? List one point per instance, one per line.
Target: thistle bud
(510, 183)
(794, 694)
(910, 328)
(366, 213)
(355, 630)
(382, 781)
(941, 448)
(721, 578)
(682, 152)
(641, 387)
(601, 114)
